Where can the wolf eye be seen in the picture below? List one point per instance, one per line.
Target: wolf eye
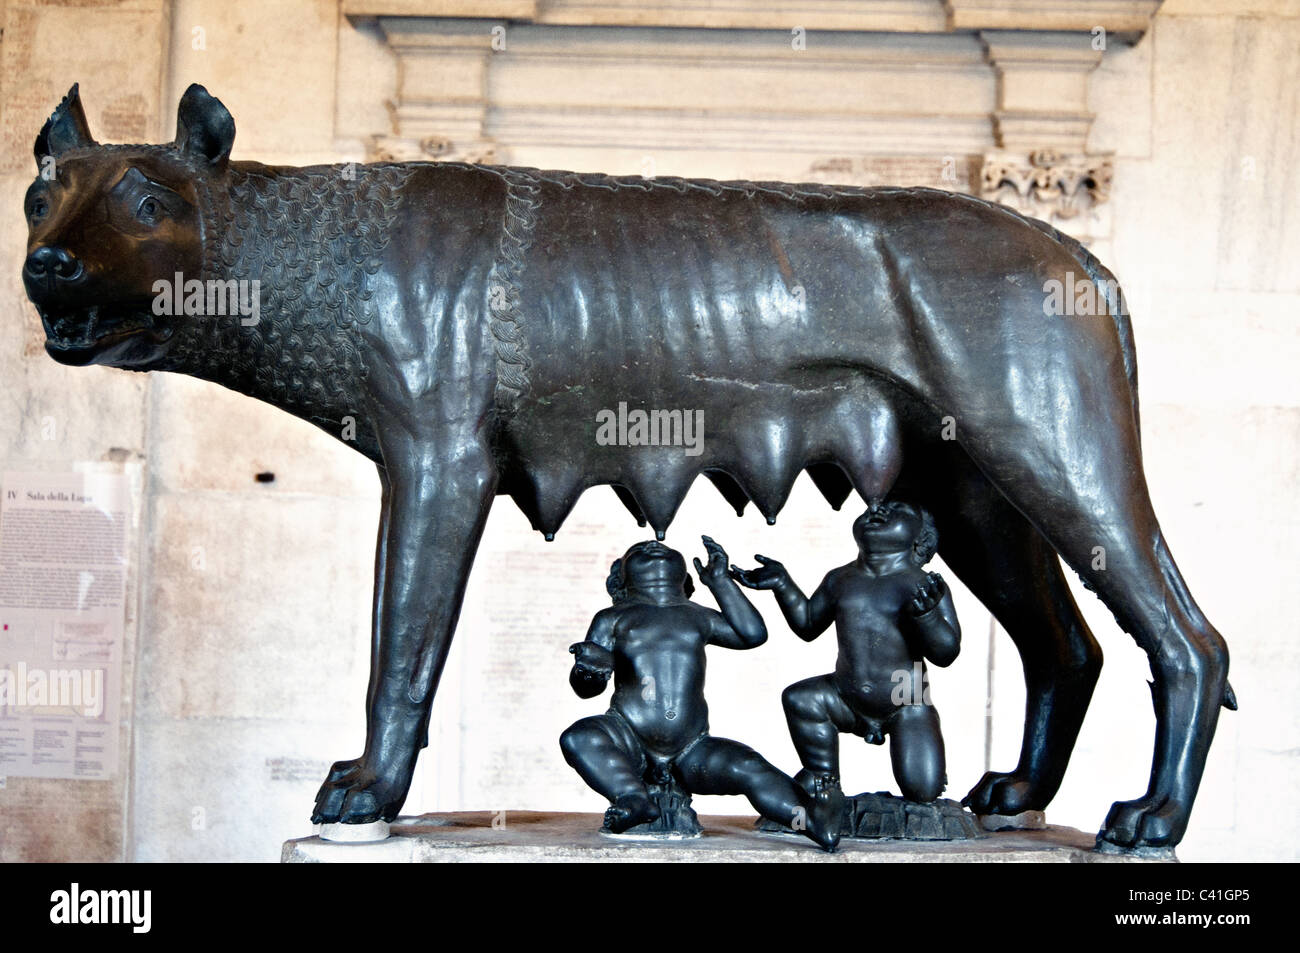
(149, 210)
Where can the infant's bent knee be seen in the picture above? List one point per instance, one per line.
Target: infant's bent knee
(577, 737)
(802, 700)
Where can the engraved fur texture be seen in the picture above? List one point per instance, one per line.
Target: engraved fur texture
(312, 238)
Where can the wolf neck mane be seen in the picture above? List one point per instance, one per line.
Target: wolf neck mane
(312, 238)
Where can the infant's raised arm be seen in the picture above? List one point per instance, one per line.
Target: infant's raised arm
(934, 619)
(808, 618)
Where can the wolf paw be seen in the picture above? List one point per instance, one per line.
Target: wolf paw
(355, 793)
(1002, 793)
(1145, 822)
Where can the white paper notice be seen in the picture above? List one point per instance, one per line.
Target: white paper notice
(63, 565)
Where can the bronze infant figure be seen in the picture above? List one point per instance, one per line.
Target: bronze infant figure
(891, 617)
(465, 326)
(654, 741)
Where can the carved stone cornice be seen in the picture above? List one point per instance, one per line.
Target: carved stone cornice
(984, 96)
(442, 90)
(913, 16)
(1125, 20)
(1042, 98)
(473, 84)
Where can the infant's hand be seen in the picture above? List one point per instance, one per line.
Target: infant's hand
(927, 595)
(769, 575)
(716, 571)
(592, 658)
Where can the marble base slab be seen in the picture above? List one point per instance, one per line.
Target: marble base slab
(1024, 821)
(533, 836)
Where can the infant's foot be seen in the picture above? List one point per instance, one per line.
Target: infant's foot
(824, 803)
(825, 818)
(628, 811)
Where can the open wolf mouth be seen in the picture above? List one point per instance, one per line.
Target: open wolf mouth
(77, 337)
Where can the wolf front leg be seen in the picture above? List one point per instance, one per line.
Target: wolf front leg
(435, 505)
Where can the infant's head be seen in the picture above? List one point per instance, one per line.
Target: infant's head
(645, 565)
(894, 527)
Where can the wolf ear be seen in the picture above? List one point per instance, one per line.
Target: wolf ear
(204, 128)
(65, 129)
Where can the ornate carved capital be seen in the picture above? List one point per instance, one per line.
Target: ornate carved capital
(1059, 188)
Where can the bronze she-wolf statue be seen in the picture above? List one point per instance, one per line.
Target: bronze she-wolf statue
(463, 327)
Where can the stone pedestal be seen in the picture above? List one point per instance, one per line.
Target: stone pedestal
(530, 836)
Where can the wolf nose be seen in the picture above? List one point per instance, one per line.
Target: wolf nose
(49, 262)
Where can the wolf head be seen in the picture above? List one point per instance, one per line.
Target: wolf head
(107, 223)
